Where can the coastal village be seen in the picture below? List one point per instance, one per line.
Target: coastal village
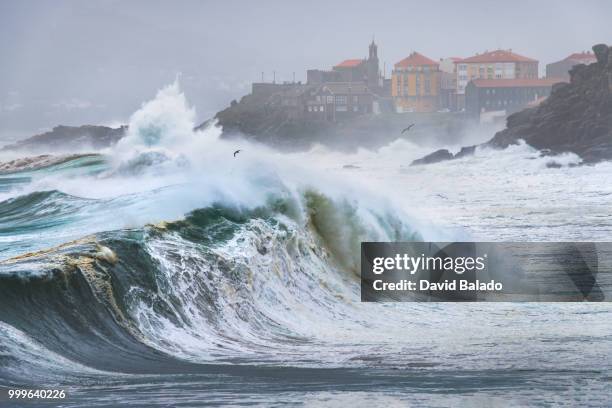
(486, 86)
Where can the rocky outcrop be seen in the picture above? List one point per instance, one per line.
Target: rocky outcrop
(263, 119)
(70, 138)
(258, 118)
(465, 151)
(443, 155)
(435, 157)
(576, 117)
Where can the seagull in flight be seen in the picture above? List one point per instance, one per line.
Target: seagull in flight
(408, 128)
(236, 152)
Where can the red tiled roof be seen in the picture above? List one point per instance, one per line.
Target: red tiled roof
(579, 56)
(498, 56)
(415, 59)
(510, 83)
(349, 63)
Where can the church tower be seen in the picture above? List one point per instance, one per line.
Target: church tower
(373, 71)
(373, 51)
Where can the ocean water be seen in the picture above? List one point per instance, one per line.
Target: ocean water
(166, 272)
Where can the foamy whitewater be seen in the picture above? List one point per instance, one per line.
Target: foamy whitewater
(166, 272)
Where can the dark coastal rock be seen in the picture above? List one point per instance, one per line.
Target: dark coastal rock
(553, 165)
(559, 85)
(601, 53)
(576, 117)
(264, 118)
(443, 155)
(70, 138)
(257, 117)
(435, 157)
(465, 151)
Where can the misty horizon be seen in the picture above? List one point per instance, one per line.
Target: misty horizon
(413, 209)
(78, 63)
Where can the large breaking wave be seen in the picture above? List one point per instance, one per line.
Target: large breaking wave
(170, 252)
(166, 266)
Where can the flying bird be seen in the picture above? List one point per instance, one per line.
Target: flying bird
(408, 128)
(236, 152)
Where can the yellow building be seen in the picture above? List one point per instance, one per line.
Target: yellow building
(415, 84)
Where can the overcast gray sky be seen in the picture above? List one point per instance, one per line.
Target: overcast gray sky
(95, 62)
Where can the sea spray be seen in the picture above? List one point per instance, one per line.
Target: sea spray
(248, 262)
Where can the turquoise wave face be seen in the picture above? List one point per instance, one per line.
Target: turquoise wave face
(33, 217)
(251, 272)
(46, 219)
(8, 183)
(205, 288)
(31, 220)
(13, 179)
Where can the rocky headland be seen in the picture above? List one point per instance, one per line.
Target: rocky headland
(576, 117)
(260, 119)
(68, 139)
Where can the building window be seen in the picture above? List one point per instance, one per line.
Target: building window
(330, 99)
(340, 99)
(355, 108)
(355, 99)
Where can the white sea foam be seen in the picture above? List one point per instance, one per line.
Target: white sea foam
(302, 307)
